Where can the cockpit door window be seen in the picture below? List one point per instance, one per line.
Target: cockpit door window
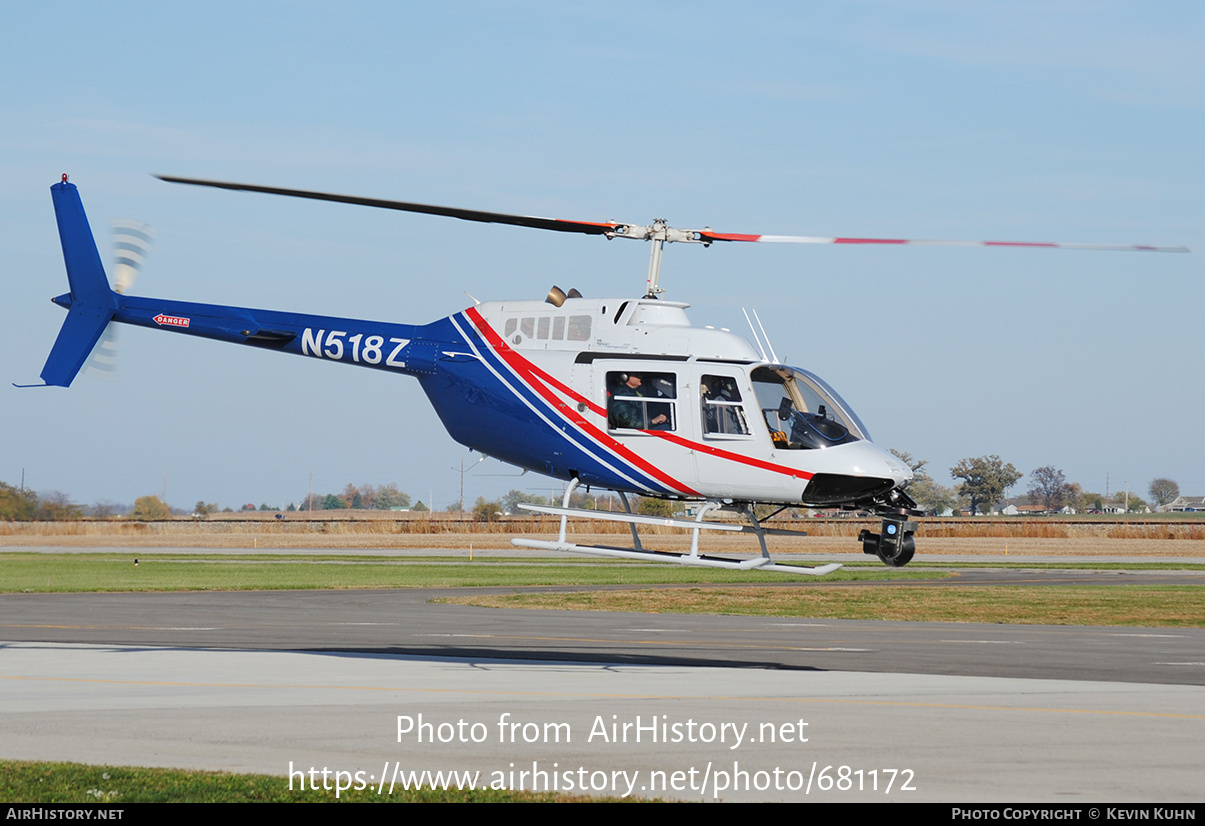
(723, 412)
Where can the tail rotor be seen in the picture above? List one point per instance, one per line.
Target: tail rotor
(131, 244)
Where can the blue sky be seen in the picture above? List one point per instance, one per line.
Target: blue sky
(1016, 121)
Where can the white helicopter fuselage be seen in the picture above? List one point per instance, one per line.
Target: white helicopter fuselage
(675, 409)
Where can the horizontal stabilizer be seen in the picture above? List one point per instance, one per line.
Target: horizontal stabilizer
(79, 334)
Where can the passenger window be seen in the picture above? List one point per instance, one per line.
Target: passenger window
(579, 328)
(542, 327)
(558, 327)
(512, 324)
(723, 413)
(528, 327)
(641, 401)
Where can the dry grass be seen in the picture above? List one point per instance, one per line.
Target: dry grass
(827, 536)
(1148, 606)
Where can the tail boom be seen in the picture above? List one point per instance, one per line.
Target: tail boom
(92, 305)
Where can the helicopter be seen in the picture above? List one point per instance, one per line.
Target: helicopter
(621, 394)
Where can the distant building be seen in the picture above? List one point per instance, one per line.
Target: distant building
(1025, 510)
(1184, 504)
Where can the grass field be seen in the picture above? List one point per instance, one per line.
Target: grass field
(59, 783)
(1132, 605)
(45, 572)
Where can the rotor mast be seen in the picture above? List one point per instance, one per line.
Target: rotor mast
(659, 233)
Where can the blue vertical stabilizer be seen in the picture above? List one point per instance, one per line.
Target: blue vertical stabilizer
(91, 303)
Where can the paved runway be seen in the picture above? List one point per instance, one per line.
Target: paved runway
(256, 681)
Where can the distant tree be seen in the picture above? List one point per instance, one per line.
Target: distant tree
(581, 499)
(368, 497)
(56, 506)
(484, 511)
(150, 507)
(205, 508)
(291, 507)
(931, 496)
(1075, 497)
(1048, 488)
(512, 500)
(1131, 502)
(105, 509)
(652, 506)
(388, 496)
(914, 465)
(331, 503)
(266, 507)
(357, 501)
(419, 507)
(985, 480)
(247, 507)
(1164, 491)
(16, 503)
(607, 502)
(453, 508)
(349, 495)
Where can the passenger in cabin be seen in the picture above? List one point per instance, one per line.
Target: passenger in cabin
(625, 412)
(722, 411)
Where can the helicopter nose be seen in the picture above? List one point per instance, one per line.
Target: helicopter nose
(896, 470)
(870, 460)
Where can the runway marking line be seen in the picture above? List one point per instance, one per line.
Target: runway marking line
(602, 695)
(695, 643)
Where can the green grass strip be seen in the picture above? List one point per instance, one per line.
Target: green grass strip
(52, 573)
(58, 783)
(1154, 606)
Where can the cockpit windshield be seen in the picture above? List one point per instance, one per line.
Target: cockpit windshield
(802, 411)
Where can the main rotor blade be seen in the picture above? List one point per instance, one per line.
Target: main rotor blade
(554, 224)
(708, 235)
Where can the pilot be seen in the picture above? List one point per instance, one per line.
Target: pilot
(719, 417)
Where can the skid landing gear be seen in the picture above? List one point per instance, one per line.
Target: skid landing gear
(894, 545)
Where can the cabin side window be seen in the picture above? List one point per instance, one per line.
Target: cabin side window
(641, 401)
(579, 328)
(723, 413)
(517, 329)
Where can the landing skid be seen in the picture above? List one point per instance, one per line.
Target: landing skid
(701, 560)
(762, 563)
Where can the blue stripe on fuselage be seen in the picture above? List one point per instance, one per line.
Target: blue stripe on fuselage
(487, 407)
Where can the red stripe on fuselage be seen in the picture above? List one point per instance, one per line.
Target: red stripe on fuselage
(735, 457)
(533, 376)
